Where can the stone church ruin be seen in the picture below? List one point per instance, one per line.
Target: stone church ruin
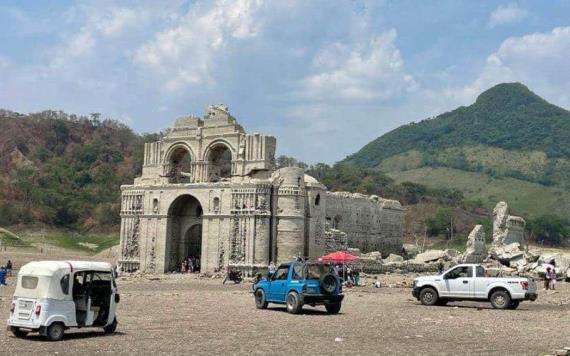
(210, 190)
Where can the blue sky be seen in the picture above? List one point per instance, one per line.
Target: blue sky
(324, 77)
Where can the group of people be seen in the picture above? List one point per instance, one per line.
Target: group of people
(349, 275)
(190, 264)
(549, 278)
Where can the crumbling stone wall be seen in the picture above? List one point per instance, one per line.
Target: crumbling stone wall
(371, 223)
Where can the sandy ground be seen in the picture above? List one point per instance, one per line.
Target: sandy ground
(183, 314)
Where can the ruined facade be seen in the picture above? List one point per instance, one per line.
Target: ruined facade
(210, 190)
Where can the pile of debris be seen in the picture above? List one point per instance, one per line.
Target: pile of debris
(505, 257)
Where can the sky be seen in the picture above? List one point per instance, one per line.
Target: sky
(324, 77)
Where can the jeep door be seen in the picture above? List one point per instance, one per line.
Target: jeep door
(458, 283)
(278, 285)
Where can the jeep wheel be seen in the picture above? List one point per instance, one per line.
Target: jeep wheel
(514, 304)
(500, 299)
(293, 303)
(109, 329)
(18, 332)
(333, 308)
(55, 331)
(428, 296)
(260, 301)
(328, 283)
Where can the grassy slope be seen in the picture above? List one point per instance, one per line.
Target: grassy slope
(89, 243)
(525, 198)
(8, 238)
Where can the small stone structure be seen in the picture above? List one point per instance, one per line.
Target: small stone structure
(507, 229)
(210, 190)
(476, 250)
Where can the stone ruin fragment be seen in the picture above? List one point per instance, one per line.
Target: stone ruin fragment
(476, 251)
(507, 229)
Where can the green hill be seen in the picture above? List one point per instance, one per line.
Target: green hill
(65, 170)
(510, 144)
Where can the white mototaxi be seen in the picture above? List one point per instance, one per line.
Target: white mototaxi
(52, 296)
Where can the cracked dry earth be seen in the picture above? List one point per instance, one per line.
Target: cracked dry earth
(182, 314)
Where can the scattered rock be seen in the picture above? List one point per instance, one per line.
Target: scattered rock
(451, 252)
(506, 253)
(431, 255)
(411, 250)
(394, 258)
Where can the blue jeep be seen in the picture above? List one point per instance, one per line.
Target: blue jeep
(299, 283)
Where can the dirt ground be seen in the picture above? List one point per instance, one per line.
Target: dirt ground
(182, 314)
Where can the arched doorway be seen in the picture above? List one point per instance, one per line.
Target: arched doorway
(193, 241)
(219, 162)
(184, 231)
(180, 166)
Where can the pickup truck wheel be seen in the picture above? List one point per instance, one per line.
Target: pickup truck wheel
(260, 301)
(500, 299)
(293, 303)
(18, 332)
(55, 331)
(333, 308)
(109, 329)
(514, 304)
(428, 296)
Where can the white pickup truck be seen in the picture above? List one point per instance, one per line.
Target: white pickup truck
(470, 282)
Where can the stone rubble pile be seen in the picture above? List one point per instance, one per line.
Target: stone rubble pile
(506, 257)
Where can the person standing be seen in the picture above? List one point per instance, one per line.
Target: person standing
(548, 276)
(9, 268)
(271, 269)
(440, 267)
(551, 277)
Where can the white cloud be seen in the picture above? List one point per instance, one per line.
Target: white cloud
(538, 60)
(506, 14)
(183, 55)
(118, 20)
(359, 71)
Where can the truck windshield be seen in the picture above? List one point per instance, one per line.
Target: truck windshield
(315, 271)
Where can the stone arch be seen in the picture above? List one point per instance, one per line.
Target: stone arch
(184, 217)
(219, 156)
(178, 161)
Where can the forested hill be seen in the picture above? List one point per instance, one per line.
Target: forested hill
(507, 125)
(64, 170)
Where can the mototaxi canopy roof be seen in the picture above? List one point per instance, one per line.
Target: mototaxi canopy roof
(44, 278)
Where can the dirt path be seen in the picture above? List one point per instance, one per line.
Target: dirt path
(182, 314)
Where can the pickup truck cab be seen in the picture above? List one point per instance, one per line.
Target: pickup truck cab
(298, 283)
(470, 282)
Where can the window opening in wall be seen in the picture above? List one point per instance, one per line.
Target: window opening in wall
(155, 205)
(180, 166)
(318, 199)
(219, 163)
(216, 204)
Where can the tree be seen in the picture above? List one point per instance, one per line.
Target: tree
(549, 229)
(441, 222)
